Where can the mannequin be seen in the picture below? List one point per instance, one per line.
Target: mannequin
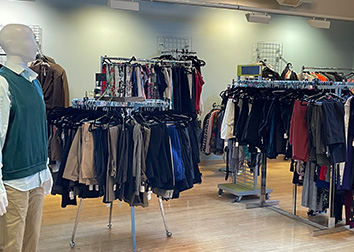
(24, 175)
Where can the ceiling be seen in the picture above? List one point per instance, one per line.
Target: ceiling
(330, 9)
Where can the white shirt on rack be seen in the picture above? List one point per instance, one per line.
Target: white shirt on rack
(32, 181)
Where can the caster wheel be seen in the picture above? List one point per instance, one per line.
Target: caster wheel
(267, 196)
(168, 234)
(237, 199)
(220, 192)
(72, 244)
(109, 226)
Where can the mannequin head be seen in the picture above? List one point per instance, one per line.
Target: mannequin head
(19, 44)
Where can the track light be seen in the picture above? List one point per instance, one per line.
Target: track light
(322, 24)
(258, 18)
(123, 5)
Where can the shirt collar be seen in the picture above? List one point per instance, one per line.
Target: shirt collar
(27, 73)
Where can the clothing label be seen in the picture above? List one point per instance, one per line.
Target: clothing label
(97, 188)
(71, 195)
(149, 195)
(90, 187)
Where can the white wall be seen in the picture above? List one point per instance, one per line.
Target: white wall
(77, 34)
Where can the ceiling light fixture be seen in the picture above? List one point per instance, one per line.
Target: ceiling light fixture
(322, 24)
(290, 3)
(123, 5)
(258, 18)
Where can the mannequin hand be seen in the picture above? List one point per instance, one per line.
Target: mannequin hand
(3, 203)
(47, 186)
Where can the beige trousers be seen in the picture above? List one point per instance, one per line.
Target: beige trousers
(20, 225)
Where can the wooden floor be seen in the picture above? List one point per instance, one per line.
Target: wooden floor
(199, 221)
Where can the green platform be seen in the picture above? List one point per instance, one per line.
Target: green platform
(240, 190)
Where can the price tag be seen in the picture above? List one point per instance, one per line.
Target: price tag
(97, 187)
(149, 195)
(71, 195)
(90, 187)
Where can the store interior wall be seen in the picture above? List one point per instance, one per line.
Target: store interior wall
(77, 33)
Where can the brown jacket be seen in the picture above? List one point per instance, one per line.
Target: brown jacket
(54, 82)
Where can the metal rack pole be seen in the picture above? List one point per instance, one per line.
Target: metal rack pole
(168, 233)
(263, 191)
(263, 179)
(72, 243)
(332, 192)
(110, 216)
(133, 227)
(294, 198)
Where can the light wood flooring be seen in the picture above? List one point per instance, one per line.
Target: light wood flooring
(199, 221)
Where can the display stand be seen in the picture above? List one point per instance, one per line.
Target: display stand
(92, 104)
(303, 68)
(245, 181)
(336, 87)
(264, 202)
(109, 225)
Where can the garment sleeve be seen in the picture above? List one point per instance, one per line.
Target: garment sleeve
(227, 125)
(4, 121)
(66, 89)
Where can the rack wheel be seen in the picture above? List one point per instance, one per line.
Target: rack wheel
(109, 225)
(237, 199)
(220, 192)
(72, 244)
(168, 234)
(267, 196)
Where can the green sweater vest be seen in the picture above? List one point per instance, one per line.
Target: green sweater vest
(25, 149)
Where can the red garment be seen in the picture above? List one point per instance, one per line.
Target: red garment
(199, 82)
(104, 83)
(323, 173)
(298, 132)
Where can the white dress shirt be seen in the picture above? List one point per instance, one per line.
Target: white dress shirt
(32, 181)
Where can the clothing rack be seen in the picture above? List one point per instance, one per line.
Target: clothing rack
(303, 68)
(137, 60)
(337, 87)
(244, 180)
(178, 52)
(91, 104)
(125, 88)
